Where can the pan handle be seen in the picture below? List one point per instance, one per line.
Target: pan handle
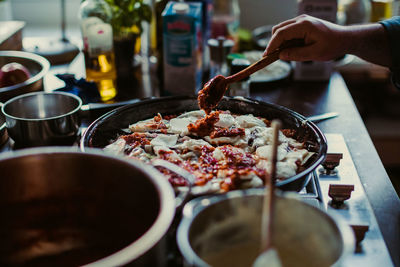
(182, 196)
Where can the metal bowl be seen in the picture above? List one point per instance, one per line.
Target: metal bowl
(40, 118)
(61, 207)
(37, 65)
(224, 230)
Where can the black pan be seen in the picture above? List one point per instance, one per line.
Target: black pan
(107, 128)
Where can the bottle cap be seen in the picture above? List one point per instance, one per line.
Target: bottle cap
(239, 64)
(220, 48)
(181, 8)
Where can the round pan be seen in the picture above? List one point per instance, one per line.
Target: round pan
(107, 128)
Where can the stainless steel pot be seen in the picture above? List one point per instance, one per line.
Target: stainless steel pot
(38, 67)
(41, 118)
(62, 207)
(224, 230)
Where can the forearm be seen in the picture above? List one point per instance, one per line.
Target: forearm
(369, 42)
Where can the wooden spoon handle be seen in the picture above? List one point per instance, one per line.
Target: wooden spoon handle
(263, 62)
(269, 202)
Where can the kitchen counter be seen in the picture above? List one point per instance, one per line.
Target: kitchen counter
(316, 98)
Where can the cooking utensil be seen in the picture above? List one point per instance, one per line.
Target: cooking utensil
(225, 228)
(268, 253)
(215, 89)
(324, 116)
(63, 207)
(107, 128)
(40, 118)
(276, 71)
(38, 67)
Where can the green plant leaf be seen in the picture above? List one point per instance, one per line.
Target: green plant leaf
(128, 13)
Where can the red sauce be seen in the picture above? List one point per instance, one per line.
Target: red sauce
(289, 132)
(136, 139)
(212, 93)
(158, 124)
(169, 117)
(173, 178)
(224, 132)
(204, 126)
(267, 122)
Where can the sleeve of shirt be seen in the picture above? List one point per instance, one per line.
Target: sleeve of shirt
(392, 27)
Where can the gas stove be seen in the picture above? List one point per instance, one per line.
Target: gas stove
(336, 188)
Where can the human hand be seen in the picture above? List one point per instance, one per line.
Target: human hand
(323, 40)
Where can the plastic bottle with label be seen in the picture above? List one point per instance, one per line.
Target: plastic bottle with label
(97, 34)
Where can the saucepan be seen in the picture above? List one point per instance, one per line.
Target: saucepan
(41, 118)
(224, 230)
(112, 124)
(62, 207)
(49, 118)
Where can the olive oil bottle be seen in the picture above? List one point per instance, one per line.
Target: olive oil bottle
(95, 17)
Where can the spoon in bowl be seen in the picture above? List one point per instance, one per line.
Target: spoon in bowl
(269, 256)
(214, 89)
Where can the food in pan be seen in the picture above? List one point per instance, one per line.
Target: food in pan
(224, 151)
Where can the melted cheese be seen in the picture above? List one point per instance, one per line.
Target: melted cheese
(179, 125)
(225, 121)
(249, 121)
(164, 140)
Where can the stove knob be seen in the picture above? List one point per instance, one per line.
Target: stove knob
(331, 162)
(359, 231)
(340, 192)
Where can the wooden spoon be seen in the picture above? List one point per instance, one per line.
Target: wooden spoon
(269, 256)
(214, 89)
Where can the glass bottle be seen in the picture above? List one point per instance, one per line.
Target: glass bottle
(95, 18)
(226, 19)
(219, 49)
(240, 88)
(159, 7)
